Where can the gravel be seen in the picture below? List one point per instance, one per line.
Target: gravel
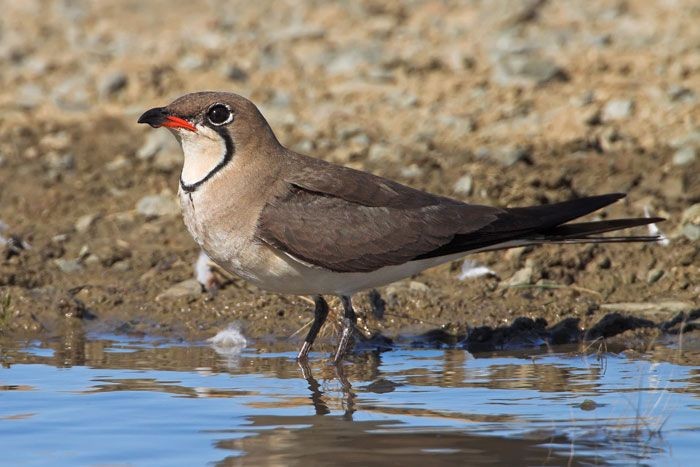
(111, 84)
(464, 185)
(524, 69)
(189, 288)
(162, 205)
(618, 109)
(684, 156)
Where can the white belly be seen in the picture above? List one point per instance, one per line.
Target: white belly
(296, 277)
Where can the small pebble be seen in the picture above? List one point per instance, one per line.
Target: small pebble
(690, 222)
(464, 185)
(235, 73)
(518, 69)
(521, 277)
(618, 109)
(84, 223)
(111, 83)
(118, 163)
(654, 275)
(416, 286)
(188, 288)
(411, 171)
(588, 405)
(684, 156)
(68, 265)
(158, 205)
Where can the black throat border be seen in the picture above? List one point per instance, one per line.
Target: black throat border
(230, 150)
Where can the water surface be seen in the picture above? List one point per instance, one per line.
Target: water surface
(118, 401)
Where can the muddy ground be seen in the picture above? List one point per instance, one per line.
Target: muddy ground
(497, 102)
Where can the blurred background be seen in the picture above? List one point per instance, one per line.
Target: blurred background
(500, 102)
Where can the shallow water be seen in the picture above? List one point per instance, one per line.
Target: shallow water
(116, 401)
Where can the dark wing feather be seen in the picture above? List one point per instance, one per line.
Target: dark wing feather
(346, 220)
(348, 237)
(351, 221)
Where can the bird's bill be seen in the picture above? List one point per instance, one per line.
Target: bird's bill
(158, 117)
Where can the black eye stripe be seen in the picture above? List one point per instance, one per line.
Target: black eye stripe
(219, 114)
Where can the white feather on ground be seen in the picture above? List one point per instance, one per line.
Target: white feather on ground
(229, 342)
(471, 269)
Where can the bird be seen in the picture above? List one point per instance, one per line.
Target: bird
(294, 224)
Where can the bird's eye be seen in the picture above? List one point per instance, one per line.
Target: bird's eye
(219, 114)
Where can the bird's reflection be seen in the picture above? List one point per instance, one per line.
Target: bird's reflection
(316, 397)
(340, 374)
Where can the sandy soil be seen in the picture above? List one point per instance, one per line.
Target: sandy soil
(497, 102)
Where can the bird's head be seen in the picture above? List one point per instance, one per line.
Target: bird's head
(212, 128)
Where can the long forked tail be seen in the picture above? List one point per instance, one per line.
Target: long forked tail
(586, 232)
(589, 232)
(546, 224)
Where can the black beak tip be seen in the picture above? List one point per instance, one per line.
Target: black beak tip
(154, 117)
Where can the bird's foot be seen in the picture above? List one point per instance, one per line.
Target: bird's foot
(346, 339)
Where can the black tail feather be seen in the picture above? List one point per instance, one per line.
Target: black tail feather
(620, 239)
(585, 229)
(547, 224)
(552, 215)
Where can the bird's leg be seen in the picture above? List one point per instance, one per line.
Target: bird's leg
(320, 314)
(349, 320)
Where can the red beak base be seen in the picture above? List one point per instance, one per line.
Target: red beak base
(177, 122)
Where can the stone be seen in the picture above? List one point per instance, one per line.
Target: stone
(189, 288)
(118, 163)
(84, 223)
(689, 139)
(523, 69)
(235, 73)
(462, 125)
(349, 60)
(464, 185)
(68, 265)
(60, 162)
(521, 277)
(360, 139)
(168, 160)
(684, 156)
(111, 83)
(690, 222)
(411, 171)
(29, 96)
(380, 152)
(91, 260)
(416, 286)
(191, 62)
(59, 141)
(505, 156)
(72, 94)
(591, 117)
(618, 109)
(297, 32)
(157, 141)
(681, 94)
(122, 265)
(162, 205)
(654, 275)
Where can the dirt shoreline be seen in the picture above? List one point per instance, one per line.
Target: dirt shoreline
(510, 105)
